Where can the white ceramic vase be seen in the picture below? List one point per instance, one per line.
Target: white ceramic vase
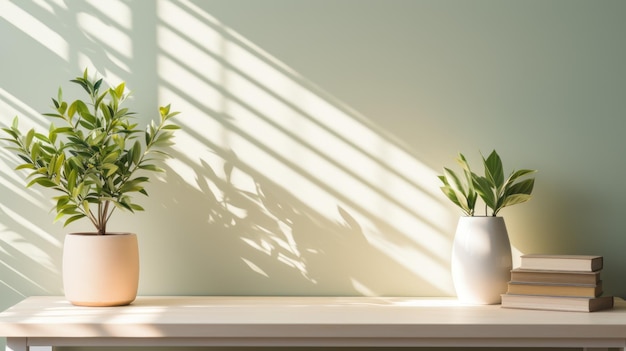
(481, 260)
(101, 270)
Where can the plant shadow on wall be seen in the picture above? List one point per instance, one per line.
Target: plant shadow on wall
(27, 263)
(327, 196)
(260, 238)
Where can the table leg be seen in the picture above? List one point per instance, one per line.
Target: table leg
(16, 344)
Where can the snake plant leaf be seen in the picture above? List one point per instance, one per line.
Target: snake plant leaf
(454, 197)
(518, 174)
(460, 190)
(494, 172)
(459, 193)
(523, 187)
(515, 199)
(485, 189)
(449, 191)
(453, 180)
(495, 191)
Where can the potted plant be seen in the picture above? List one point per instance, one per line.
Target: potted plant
(481, 251)
(93, 161)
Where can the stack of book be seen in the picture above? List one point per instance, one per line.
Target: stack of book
(557, 282)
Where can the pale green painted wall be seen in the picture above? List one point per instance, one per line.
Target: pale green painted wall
(344, 112)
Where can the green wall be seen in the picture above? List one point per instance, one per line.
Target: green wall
(336, 116)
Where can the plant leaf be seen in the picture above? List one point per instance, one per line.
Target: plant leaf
(73, 219)
(494, 171)
(485, 190)
(515, 199)
(43, 181)
(524, 187)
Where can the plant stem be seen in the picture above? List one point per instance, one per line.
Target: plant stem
(92, 218)
(103, 218)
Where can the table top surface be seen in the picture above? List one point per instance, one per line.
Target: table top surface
(232, 316)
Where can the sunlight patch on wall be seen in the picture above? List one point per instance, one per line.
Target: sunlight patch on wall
(363, 289)
(22, 276)
(16, 186)
(119, 46)
(115, 11)
(15, 247)
(11, 106)
(194, 126)
(34, 28)
(254, 267)
(9, 287)
(237, 97)
(324, 123)
(195, 28)
(47, 6)
(52, 5)
(33, 229)
(192, 84)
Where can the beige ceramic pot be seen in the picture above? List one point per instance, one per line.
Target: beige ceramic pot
(101, 270)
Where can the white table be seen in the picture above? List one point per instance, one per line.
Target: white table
(304, 321)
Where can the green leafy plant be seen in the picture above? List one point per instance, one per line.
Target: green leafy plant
(460, 189)
(94, 158)
(493, 188)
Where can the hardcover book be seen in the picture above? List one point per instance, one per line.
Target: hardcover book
(557, 303)
(563, 277)
(582, 263)
(580, 290)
